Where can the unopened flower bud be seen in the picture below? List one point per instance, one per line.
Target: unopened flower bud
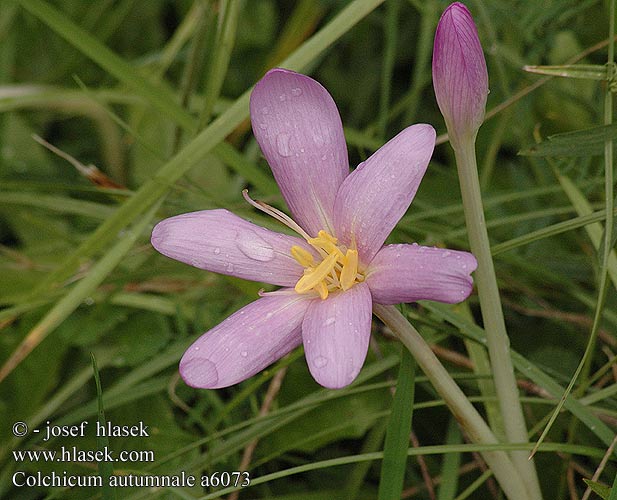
(460, 77)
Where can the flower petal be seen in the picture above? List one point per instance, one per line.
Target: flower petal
(298, 127)
(406, 273)
(219, 241)
(245, 343)
(336, 332)
(375, 196)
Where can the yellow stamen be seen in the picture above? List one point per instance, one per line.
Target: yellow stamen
(312, 279)
(304, 257)
(322, 289)
(350, 269)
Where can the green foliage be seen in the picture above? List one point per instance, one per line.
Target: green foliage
(155, 95)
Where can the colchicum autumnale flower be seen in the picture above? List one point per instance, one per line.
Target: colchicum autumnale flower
(460, 77)
(338, 266)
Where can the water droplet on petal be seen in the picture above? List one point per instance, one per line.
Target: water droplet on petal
(329, 321)
(254, 247)
(230, 267)
(320, 361)
(217, 251)
(445, 254)
(296, 92)
(282, 97)
(414, 244)
(282, 145)
(244, 354)
(263, 126)
(269, 315)
(265, 110)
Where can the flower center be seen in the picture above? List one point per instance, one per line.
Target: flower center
(338, 269)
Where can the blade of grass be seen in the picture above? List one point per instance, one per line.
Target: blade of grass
(106, 469)
(229, 13)
(397, 435)
(450, 465)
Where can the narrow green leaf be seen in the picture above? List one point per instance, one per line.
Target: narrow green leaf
(580, 143)
(613, 495)
(451, 463)
(599, 489)
(397, 435)
(583, 71)
(106, 469)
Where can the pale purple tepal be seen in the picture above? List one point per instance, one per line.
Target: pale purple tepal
(460, 78)
(337, 268)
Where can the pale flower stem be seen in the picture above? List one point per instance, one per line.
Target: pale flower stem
(492, 314)
(468, 417)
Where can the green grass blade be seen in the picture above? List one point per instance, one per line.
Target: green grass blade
(106, 469)
(450, 465)
(397, 435)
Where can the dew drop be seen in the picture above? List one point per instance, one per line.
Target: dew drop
(244, 354)
(194, 263)
(230, 267)
(282, 97)
(329, 321)
(254, 247)
(282, 145)
(217, 251)
(89, 301)
(265, 110)
(296, 92)
(320, 361)
(269, 315)
(324, 157)
(263, 126)
(414, 244)
(445, 254)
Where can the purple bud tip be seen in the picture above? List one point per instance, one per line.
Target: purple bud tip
(460, 77)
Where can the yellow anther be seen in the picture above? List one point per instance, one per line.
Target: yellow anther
(322, 289)
(350, 269)
(327, 236)
(311, 280)
(304, 257)
(336, 270)
(326, 244)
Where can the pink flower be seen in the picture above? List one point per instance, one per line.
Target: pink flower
(460, 77)
(337, 268)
